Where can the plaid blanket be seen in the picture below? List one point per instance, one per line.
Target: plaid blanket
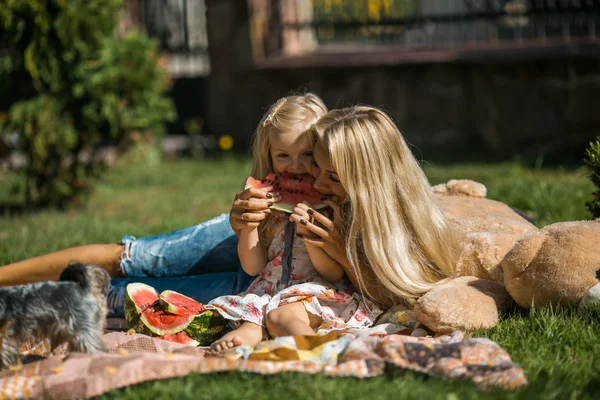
(135, 358)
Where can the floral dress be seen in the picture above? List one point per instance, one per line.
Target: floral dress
(289, 277)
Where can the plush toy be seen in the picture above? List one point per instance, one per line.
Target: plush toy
(502, 257)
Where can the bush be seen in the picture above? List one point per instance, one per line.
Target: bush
(592, 160)
(75, 85)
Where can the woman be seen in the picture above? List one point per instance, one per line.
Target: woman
(387, 231)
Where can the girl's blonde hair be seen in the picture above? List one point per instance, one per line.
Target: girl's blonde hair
(295, 113)
(292, 113)
(394, 224)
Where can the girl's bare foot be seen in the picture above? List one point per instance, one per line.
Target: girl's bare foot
(248, 334)
(228, 341)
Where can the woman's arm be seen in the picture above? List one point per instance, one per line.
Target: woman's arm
(331, 240)
(252, 254)
(329, 269)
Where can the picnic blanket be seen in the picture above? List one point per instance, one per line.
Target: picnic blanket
(135, 358)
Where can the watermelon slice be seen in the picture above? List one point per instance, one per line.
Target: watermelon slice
(293, 189)
(180, 337)
(148, 312)
(142, 313)
(178, 304)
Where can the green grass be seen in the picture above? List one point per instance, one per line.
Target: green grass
(559, 350)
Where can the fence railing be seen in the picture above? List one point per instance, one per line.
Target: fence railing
(419, 30)
(180, 28)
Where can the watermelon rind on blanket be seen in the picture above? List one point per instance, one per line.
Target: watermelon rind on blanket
(147, 312)
(207, 327)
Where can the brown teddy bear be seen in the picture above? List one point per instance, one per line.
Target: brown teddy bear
(503, 257)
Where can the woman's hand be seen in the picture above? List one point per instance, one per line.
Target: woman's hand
(328, 236)
(301, 213)
(250, 207)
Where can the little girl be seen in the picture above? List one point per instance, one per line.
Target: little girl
(299, 288)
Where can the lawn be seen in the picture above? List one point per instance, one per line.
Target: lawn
(559, 350)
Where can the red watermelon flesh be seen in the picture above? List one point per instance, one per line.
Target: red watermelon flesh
(143, 296)
(143, 312)
(293, 189)
(180, 337)
(161, 322)
(178, 304)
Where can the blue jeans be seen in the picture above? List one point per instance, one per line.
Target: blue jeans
(200, 262)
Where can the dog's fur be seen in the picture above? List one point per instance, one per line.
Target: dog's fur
(72, 310)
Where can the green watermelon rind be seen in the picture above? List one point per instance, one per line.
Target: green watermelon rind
(133, 317)
(289, 208)
(133, 311)
(206, 327)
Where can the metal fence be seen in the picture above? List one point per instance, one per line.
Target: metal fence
(418, 30)
(180, 28)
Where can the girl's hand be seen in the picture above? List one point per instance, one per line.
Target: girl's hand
(329, 237)
(250, 207)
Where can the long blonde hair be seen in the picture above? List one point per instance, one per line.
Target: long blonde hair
(394, 224)
(292, 113)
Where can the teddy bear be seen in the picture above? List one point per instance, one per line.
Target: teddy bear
(503, 258)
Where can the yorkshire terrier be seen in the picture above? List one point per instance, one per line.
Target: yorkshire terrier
(72, 310)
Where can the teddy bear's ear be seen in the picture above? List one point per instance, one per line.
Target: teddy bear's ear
(461, 187)
(440, 189)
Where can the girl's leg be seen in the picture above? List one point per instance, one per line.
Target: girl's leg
(292, 320)
(49, 266)
(248, 334)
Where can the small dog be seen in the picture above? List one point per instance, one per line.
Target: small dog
(72, 310)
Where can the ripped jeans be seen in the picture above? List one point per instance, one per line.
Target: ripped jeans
(200, 262)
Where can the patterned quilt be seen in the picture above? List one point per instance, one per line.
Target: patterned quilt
(135, 358)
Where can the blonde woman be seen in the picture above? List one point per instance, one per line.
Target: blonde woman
(387, 231)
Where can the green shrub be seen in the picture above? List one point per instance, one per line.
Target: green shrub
(74, 85)
(592, 160)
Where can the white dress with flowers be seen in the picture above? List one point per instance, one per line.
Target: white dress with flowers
(289, 277)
